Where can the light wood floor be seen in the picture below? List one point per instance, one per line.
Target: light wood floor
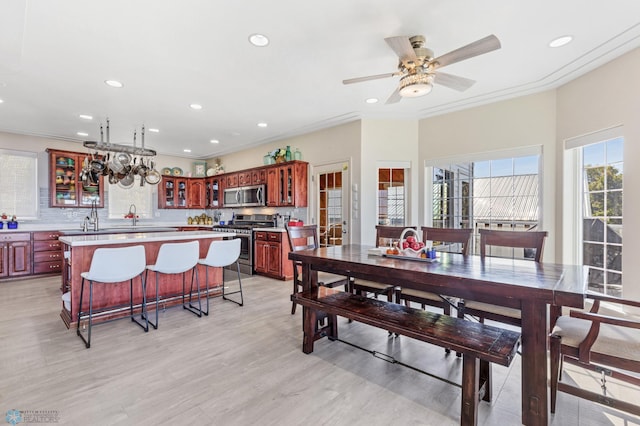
(239, 366)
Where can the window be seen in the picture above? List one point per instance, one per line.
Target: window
(602, 173)
(391, 197)
(19, 188)
(499, 193)
(120, 200)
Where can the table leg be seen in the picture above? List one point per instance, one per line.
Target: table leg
(534, 363)
(309, 316)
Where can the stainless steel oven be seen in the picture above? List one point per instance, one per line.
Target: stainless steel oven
(243, 227)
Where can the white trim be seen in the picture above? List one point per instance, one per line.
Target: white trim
(594, 137)
(524, 151)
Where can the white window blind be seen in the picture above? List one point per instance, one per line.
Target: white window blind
(121, 199)
(19, 183)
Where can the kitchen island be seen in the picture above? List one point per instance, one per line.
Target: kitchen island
(78, 251)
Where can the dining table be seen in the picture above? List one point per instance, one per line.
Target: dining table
(535, 288)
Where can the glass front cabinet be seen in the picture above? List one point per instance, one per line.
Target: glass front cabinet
(66, 186)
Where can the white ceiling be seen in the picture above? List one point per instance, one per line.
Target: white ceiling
(56, 54)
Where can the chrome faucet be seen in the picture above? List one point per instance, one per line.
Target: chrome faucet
(93, 215)
(132, 213)
(85, 224)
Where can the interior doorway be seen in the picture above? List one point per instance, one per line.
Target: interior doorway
(331, 183)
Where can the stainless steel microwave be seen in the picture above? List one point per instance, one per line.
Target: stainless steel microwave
(245, 196)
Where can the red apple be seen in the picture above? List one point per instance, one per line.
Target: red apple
(405, 245)
(411, 239)
(415, 246)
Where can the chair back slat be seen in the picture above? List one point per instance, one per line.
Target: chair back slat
(384, 232)
(302, 237)
(515, 239)
(448, 235)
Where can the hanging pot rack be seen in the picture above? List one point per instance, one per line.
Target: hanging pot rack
(114, 147)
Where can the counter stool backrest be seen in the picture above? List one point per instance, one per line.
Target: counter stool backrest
(222, 253)
(515, 239)
(448, 235)
(175, 258)
(386, 233)
(113, 265)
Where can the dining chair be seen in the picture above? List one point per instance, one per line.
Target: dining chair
(385, 235)
(306, 238)
(493, 241)
(455, 240)
(177, 258)
(604, 339)
(111, 266)
(220, 254)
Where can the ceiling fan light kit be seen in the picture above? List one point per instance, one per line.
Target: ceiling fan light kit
(417, 66)
(415, 85)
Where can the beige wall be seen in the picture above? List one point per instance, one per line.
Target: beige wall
(606, 97)
(521, 122)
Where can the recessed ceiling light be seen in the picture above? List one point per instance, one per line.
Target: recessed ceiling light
(195, 106)
(82, 134)
(214, 141)
(1, 101)
(154, 130)
(113, 83)
(372, 101)
(262, 124)
(259, 40)
(86, 117)
(560, 41)
(187, 150)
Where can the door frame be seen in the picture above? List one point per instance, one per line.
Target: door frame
(314, 211)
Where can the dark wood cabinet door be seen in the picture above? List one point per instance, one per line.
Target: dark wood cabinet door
(19, 258)
(261, 252)
(196, 194)
(274, 266)
(244, 178)
(66, 187)
(4, 260)
(231, 180)
(258, 176)
(273, 187)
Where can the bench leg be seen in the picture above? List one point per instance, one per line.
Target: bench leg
(485, 379)
(308, 328)
(470, 381)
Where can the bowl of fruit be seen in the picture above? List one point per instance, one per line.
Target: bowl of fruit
(411, 244)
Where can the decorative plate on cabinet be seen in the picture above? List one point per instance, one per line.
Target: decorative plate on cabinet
(167, 171)
(177, 171)
(211, 171)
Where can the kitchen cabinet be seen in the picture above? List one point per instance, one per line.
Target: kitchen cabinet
(15, 254)
(244, 178)
(172, 193)
(196, 194)
(287, 185)
(231, 180)
(258, 176)
(47, 252)
(271, 255)
(213, 191)
(66, 188)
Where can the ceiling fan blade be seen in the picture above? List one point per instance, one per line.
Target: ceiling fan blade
(394, 98)
(478, 47)
(453, 81)
(402, 46)
(371, 77)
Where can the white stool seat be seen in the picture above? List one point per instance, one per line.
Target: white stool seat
(114, 265)
(178, 258)
(224, 253)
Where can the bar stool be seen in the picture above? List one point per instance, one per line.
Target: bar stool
(177, 258)
(114, 265)
(221, 254)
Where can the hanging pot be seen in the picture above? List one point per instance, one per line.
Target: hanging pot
(152, 176)
(127, 181)
(97, 165)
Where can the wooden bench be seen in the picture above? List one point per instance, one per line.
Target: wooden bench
(479, 344)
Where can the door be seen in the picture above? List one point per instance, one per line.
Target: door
(332, 189)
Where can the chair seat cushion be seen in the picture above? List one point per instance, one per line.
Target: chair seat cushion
(493, 309)
(371, 284)
(621, 342)
(329, 280)
(420, 294)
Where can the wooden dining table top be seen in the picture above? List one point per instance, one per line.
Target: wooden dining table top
(489, 279)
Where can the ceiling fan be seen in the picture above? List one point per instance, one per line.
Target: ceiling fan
(418, 67)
